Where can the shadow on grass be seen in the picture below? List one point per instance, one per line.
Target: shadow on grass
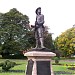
(62, 72)
(23, 71)
(15, 71)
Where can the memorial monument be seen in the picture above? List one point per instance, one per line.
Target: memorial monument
(39, 58)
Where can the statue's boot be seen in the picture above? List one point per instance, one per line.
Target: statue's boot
(37, 46)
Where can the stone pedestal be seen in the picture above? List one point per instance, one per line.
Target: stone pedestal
(39, 63)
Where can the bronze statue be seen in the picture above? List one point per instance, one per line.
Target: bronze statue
(39, 28)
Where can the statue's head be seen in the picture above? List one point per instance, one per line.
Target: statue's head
(38, 10)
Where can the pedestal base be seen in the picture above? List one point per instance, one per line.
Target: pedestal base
(39, 63)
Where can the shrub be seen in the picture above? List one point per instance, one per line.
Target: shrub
(56, 60)
(1, 64)
(7, 65)
(12, 64)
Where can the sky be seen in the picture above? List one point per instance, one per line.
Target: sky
(59, 14)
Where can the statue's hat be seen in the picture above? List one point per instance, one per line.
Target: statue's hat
(37, 9)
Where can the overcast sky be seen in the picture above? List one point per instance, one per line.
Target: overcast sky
(59, 14)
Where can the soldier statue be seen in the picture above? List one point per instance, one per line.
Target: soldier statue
(39, 28)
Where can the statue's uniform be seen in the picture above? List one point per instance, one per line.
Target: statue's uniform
(39, 28)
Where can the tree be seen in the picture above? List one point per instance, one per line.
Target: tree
(14, 30)
(48, 42)
(66, 42)
(1, 18)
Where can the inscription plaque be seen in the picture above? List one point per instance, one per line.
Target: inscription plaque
(43, 68)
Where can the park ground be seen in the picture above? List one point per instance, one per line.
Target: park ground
(60, 69)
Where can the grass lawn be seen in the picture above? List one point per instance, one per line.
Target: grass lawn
(21, 67)
(14, 71)
(63, 69)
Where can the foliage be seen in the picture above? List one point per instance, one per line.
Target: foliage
(1, 64)
(9, 47)
(13, 31)
(31, 38)
(48, 42)
(7, 65)
(56, 60)
(66, 42)
(19, 69)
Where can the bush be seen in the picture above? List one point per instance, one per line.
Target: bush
(7, 65)
(1, 64)
(16, 55)
(56, 60)
(12, 64)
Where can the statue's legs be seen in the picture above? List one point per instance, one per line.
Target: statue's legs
(41, 41)
(36, 37)
(40, 32)
(37, 43)
(39, 38)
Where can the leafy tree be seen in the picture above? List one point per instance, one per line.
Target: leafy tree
(13, 30)
(48, 42)
(31, 39)
(66, 42)
(14, 25)
(1, 18)
(9, 47)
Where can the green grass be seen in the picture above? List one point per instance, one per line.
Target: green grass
(63, 67)
(7, 73)
(23, 63)
(21, 66)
